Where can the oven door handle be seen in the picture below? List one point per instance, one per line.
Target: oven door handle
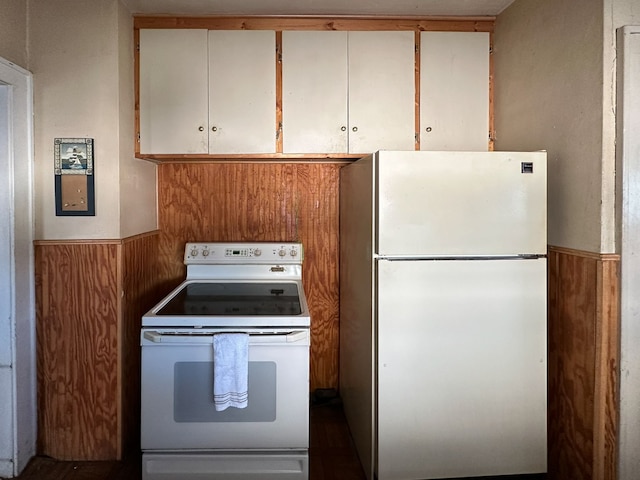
(207, 338)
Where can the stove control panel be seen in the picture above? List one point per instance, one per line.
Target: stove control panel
(242, 253)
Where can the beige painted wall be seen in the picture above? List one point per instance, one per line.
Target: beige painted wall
(81, 56)
(13, 31)
(549, 95)
(555, 71)
(138, 212)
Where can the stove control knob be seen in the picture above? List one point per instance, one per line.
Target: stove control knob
(205, 253)
(257, 252)
(282, 252)
(294, 252)
(194, 253)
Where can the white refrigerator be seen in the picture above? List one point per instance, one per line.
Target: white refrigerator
(443, 313)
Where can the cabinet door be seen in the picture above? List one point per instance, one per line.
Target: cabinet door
(173, 84)
(314, 92)
(454, 91)
(242, 92)
(381, 91)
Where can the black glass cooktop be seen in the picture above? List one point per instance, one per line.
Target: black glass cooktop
(235, 299)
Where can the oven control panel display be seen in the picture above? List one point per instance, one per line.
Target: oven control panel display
(264, 253)
(240, 252)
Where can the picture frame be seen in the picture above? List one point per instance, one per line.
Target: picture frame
(74, 176)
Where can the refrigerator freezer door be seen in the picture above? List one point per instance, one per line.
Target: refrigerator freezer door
(461, 368)
(461, 204)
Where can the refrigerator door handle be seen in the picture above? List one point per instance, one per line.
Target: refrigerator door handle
(400, 258)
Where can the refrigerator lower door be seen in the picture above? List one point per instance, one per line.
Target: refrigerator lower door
(461, 368)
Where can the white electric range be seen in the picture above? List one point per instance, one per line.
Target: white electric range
(253, 289)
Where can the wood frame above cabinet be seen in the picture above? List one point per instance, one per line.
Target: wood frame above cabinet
(302, 23)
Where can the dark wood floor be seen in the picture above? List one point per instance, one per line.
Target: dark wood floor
(331, 452)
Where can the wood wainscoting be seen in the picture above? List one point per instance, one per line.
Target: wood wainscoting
(90, 296)
(583, 364)
(265, 202)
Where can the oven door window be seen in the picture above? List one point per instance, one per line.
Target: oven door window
(193, 394)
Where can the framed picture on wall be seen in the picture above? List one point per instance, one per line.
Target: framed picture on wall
(74, 180)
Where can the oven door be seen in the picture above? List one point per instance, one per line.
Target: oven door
(177, 407)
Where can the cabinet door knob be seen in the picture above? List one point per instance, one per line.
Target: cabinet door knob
(355, 129)
(214, 129)
(201, 129)
(428, 129)
(343, 128)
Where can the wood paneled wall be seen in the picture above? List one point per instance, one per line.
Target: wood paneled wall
(280, 202)
(583, 365)
(89, 299)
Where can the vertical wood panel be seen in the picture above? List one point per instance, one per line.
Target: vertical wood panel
(607, 371)
(571, 365)
(139, 294)
(261, 202)
(279, 139)
(319, 224)
(77, 311)
(583, 331)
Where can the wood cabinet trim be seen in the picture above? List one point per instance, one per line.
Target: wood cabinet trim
(461, 24)
(278, 126)
(262, 158)
(78, 242)
(97, 241)
(491, 133)
(611, 257)
(417, 67)
(136, 93)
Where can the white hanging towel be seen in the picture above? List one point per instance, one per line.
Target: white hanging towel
(230, 370)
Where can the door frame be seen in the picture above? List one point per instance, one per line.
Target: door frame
(18, 364)
(628, 244)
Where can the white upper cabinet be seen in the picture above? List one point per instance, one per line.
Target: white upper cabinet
(381, 91)
(173, 91)
(217, 92)
(314, 92)
(348, 92)
(242, 91)
(207, 92)
(454, 91)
